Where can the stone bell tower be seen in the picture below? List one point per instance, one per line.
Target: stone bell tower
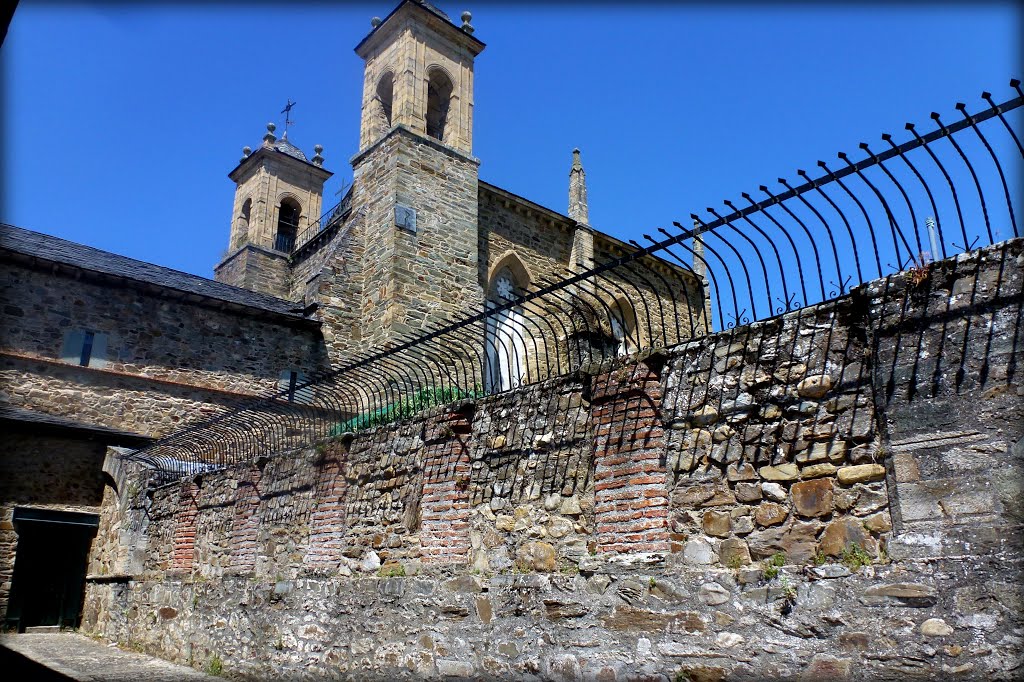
(414, 178)
(278, 194)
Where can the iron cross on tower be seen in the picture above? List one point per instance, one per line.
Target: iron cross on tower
(287, 111)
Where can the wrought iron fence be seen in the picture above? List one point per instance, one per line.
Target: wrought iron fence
(943, 192)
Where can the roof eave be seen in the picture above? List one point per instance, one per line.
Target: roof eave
(237, 171)
(473, 44)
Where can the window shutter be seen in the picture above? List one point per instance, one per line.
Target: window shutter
(72, 350)
(99, 351)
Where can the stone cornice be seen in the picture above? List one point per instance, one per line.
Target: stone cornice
(271, 154)
(399, 129)
(392, 23)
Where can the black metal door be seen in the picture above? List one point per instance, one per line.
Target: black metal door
(49, 568)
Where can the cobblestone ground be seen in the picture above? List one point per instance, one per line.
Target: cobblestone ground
(71, 656)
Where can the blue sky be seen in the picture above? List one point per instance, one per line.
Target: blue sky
(122, 121)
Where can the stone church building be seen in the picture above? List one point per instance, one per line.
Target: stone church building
(102, 350)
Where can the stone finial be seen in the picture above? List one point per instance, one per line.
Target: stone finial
(699, 266)
(466, 18)
(246, 151)
(578, 209)
(318, 160)
(270, 138)
(375, 22)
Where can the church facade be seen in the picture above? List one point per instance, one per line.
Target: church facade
(98, 349)
(419, 239)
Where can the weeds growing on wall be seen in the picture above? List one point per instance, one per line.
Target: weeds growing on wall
(771, 565)
(418, 402)
(854, 557)
(215, 666)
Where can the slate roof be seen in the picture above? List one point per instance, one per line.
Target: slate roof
(53, 249)
(433, 8)
(21, 417)
(286, 147)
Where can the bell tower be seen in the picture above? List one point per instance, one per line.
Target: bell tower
(419, 75)
(278, 194)
(415, 181)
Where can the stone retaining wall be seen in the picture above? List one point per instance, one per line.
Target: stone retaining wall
(830, 493)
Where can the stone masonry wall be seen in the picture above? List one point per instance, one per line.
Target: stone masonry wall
(412, 280)
(66, 477)
(257, 268)
(164, 358)
(746, 506)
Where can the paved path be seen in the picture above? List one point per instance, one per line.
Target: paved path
(71, 656)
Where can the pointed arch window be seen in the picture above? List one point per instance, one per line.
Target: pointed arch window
(287, 225)
(439, 97)
(505, 341)
(622, 322)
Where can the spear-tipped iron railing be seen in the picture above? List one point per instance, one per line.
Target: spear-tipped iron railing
(934, 195)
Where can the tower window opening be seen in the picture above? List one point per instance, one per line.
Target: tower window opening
(287, 225)
(242, 233)
(439, 97)
(385, 98)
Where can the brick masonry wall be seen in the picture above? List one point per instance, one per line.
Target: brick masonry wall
(444, 510)
(785, 549)
(183, 552)
(630, 478)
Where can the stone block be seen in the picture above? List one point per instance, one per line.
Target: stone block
(825, 667)
(741, 471)
(770, 514)
(748, 492)
(812, 498)
(782, 472)
(906, 594)
(843, 533)
(536, 556)
(814, 386)
(833, 451)
(713, 594)
(704, 416)
(818, 470)
(774, 491)
(795, 539)
(861, 473)
(917, 502)
(699, 552)
(878, 523)
(935, 627)
(734, 552)
(717, 523)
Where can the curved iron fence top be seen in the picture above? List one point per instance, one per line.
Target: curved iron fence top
(807, 243)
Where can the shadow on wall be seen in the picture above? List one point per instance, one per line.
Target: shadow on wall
(774, 437)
